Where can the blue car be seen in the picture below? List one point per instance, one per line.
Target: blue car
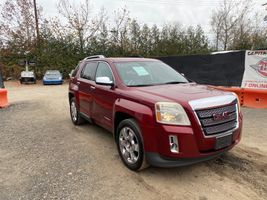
(52, 77)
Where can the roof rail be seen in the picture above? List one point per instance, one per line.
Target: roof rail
(95, 56)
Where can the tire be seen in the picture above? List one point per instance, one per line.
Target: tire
(130, 145)
(76, 118)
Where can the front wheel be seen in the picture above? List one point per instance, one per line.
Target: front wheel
(130, 145)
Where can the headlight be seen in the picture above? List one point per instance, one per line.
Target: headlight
(171, 113)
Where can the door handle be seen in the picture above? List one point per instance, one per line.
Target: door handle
(92, 87)
(78, 83)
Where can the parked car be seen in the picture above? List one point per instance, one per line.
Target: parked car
(27, 77)
(52, 77)
(157, 117)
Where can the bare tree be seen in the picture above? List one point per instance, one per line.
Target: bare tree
(216, 25)
(80, 20)
(17, 23)
(242, 34)
(119, 31)
(258, 33)
(225, 19)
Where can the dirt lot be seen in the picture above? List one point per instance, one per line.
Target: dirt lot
(44, 156)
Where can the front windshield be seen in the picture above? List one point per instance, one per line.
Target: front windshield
(52, 74)
(147, 73)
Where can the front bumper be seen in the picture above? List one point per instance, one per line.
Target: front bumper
(52, 82)
(193, 146)
(27, 79)
(185, 156)
(156, 160)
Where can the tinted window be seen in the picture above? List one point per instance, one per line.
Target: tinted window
(89, 71)
(103, 70)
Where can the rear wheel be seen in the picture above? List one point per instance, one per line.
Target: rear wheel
(74, 113)
(130, 145)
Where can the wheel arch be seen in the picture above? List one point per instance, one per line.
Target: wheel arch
(71, 95)
(119, 117)
(125, 109)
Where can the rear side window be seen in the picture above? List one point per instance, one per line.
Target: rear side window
(103, 70)
(88, 71)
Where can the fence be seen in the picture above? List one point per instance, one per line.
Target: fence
(223, 70)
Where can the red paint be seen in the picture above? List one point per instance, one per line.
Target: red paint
(102, 104)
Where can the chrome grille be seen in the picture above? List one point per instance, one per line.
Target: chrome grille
(210, 112)
(218, 120)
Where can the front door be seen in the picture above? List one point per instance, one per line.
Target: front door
(104, 97)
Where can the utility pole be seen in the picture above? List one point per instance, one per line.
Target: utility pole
(36, 22)
(265, 17)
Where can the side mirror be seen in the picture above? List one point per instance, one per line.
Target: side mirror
(104, 80)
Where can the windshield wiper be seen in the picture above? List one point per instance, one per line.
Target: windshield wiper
(174, 82)
(142, 85)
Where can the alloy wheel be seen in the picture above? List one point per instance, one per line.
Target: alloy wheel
(129, 145)
(73, 110)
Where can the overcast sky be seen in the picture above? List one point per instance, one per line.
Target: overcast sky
(187, 12)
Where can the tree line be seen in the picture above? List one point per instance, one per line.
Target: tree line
(77, 32)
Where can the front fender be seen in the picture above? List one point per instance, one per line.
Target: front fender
(144, 116)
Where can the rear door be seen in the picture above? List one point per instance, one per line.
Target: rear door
(86, 87)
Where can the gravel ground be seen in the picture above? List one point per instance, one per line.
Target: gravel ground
(44, 156)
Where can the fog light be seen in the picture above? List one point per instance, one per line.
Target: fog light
(174, 146)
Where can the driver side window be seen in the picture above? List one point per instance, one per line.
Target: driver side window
(103, 70)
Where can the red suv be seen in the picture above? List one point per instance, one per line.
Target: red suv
(156, 115)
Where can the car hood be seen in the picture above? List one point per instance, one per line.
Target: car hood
(181, 93)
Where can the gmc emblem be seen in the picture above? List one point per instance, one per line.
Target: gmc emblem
(220, 116)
